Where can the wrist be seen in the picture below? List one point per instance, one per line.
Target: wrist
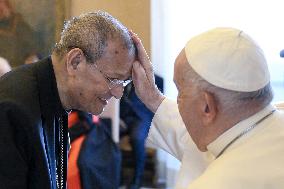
(155, 101)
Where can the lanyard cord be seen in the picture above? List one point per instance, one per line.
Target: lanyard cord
(244, 133)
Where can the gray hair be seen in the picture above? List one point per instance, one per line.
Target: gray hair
(229, 100)
(90, 32)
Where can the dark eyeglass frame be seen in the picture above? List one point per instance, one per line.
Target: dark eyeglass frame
(111, 82)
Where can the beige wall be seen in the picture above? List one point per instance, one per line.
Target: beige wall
(134, 14)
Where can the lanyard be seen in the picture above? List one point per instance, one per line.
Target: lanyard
(244, 133)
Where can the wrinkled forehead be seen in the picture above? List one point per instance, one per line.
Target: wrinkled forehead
(124, 64)
(117, 60)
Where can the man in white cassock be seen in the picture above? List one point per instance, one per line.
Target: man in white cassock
(223, 127)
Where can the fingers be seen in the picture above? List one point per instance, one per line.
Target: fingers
(142, 55)
(143, 58)
(146, 89)
(143, 77)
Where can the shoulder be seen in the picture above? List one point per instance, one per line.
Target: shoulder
(251, 165)
(14, 119)
(18, 82)
(19, 89)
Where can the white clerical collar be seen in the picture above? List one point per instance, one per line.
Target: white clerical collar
(217, 146)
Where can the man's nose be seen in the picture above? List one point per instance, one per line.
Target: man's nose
(117, 91)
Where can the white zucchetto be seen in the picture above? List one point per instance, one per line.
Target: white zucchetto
(228, 58)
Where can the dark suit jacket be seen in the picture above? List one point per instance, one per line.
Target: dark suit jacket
(29, 136)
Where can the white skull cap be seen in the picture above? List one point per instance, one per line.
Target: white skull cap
(228, 58)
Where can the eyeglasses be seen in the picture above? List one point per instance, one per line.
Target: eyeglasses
(114, 82)
(111, 82)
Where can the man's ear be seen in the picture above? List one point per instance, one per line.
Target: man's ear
(74, 58)
(209, 106)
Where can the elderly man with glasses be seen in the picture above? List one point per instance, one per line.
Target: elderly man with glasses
(90, 64)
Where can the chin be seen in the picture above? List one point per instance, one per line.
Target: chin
(97, 111)
(202, 148)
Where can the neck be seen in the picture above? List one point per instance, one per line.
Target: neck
(229, 119)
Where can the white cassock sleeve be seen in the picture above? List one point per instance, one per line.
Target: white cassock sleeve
(169, 133)
(168, 130)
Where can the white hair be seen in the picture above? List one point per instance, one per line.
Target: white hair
(229, 100)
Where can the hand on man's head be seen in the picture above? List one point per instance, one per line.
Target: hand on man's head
(143, 78)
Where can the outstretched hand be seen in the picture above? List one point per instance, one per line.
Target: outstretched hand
(143, 78)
